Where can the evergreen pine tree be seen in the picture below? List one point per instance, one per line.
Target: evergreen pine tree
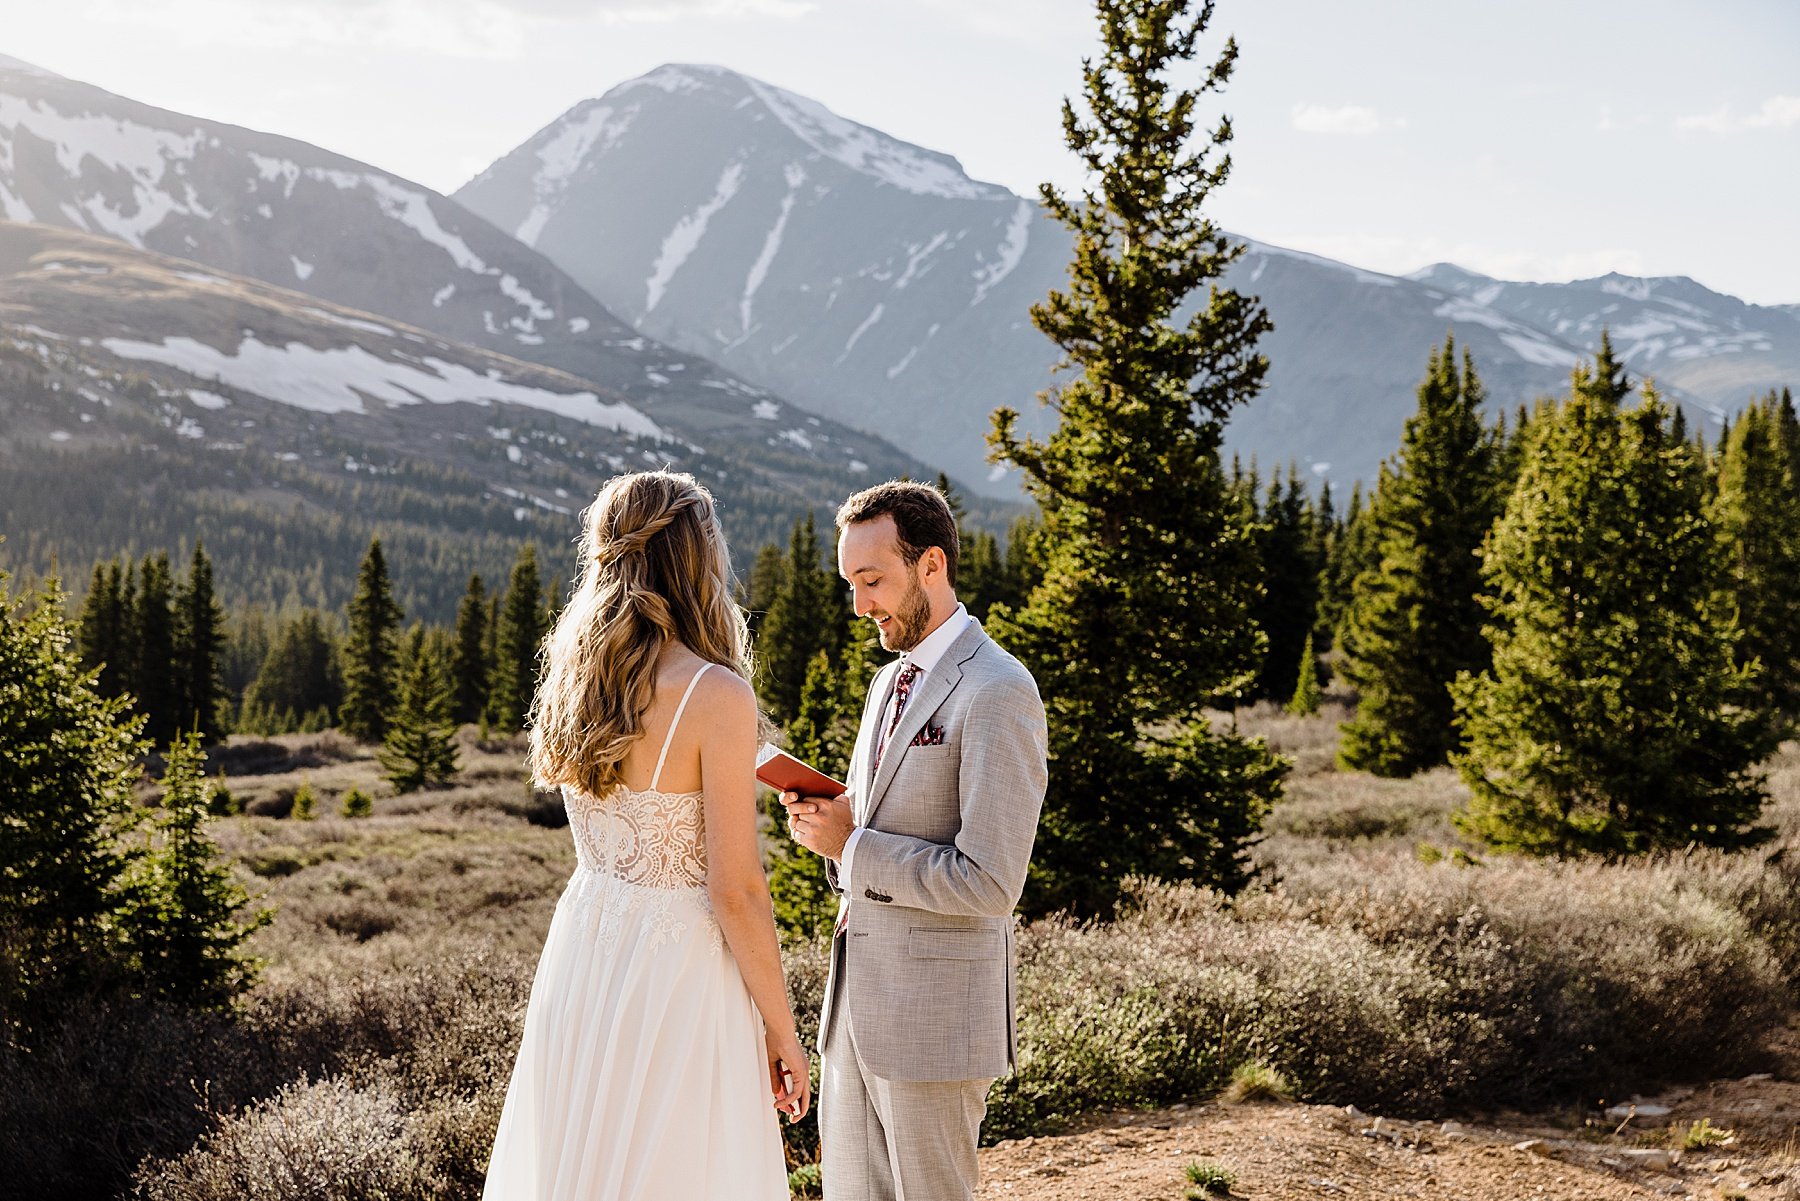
(1306, 687)
(765, 583)
(106, 630)
(187, 933)
(1613, 717)
(470, 669)
(1414, 618)
(1756, 510)
(524, 622)
(1024, 563)
(155, 684)
(1290, 599)
(420, 747)
(247, 643)
(805, 905)
(301, 675)
(68, 764)
(370, 652)
(1149, 572)
(1352, 552)
(199, 652)
(805, 616)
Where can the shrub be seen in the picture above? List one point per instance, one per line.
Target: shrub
(326, 1138)
(358, 803)
(1257, 1081)
(806, 1181)
(304, 804)
(1701, 1135)
(1209, 1179)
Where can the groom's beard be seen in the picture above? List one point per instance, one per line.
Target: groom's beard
(911, 620)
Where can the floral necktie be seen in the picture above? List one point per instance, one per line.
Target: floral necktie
(902, 693)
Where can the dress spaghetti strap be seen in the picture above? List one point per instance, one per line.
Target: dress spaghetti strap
(669, 738)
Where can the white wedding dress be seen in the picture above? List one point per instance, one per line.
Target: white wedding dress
(641, 1074)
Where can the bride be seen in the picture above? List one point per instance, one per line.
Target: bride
(658, 1028)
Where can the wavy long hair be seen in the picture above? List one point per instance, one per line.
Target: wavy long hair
(654, 569)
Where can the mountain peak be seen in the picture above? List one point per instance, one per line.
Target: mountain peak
(861, 148)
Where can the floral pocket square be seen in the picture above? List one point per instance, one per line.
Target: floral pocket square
(929, 736)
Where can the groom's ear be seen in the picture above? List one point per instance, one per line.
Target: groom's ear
(934, 562)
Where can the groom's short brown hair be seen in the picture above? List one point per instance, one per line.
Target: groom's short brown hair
(921, 516)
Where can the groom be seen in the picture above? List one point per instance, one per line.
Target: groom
(929, 848)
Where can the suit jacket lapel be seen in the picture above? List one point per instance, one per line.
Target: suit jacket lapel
(939, 683)
(883, 686)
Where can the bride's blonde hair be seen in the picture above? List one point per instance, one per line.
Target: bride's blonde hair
(654, 568)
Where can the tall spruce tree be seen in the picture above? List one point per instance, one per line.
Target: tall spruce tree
(764, 583)
(1414, 619)
(1150, 572)
(371, 651)
(199, 653)
(1286, 547)
(1352, 551)
(68, 766)
(419, 749)
(470, 670)
(247, 641)
(1613, 718)
(106, 631)
(806, 615)
(156, 683)
(301, 677)
(524, 621)
(805, 905)
(1756, 510)
(187, 935)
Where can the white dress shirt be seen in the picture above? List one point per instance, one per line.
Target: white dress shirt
(924, 656)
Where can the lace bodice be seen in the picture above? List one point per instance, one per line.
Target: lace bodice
(653, 838)
(641, 857)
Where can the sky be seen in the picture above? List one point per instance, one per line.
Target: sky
(1531, 139)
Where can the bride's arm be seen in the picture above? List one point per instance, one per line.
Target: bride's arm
(734, 874)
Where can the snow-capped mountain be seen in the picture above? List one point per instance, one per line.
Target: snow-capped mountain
(1713, 348)
(874, 281)
(751, 225)
(295, 410)
(273, 209)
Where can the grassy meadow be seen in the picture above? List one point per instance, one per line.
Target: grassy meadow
(1381, 962)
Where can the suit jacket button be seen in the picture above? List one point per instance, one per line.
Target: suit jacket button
(871, 894)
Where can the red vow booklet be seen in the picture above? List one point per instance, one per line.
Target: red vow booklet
(784, 773)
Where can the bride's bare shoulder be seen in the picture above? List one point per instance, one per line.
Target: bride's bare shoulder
(722, 699)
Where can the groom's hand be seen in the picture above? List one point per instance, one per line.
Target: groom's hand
(820, 824)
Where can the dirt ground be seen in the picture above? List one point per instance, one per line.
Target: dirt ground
(1289, 1152)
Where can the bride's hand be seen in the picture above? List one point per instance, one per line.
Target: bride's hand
(790, 1074)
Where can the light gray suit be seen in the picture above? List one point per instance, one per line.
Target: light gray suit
(918, 1015)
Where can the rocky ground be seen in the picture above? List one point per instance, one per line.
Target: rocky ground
(1286, 1152)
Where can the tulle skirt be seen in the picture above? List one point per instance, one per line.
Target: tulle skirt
(641, 1073)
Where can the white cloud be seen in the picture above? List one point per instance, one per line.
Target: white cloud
(465, 29)
(476, 29)
(1032, 22)
(1777, 112)
(1354, 119)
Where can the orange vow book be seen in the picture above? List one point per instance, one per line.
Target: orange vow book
(784, 773)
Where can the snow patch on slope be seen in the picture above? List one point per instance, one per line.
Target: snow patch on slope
(561, 155)
(337, 379)
(1011, 253)
(759, 270)
(687, 234)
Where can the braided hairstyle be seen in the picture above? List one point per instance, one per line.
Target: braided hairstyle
(654, 569)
